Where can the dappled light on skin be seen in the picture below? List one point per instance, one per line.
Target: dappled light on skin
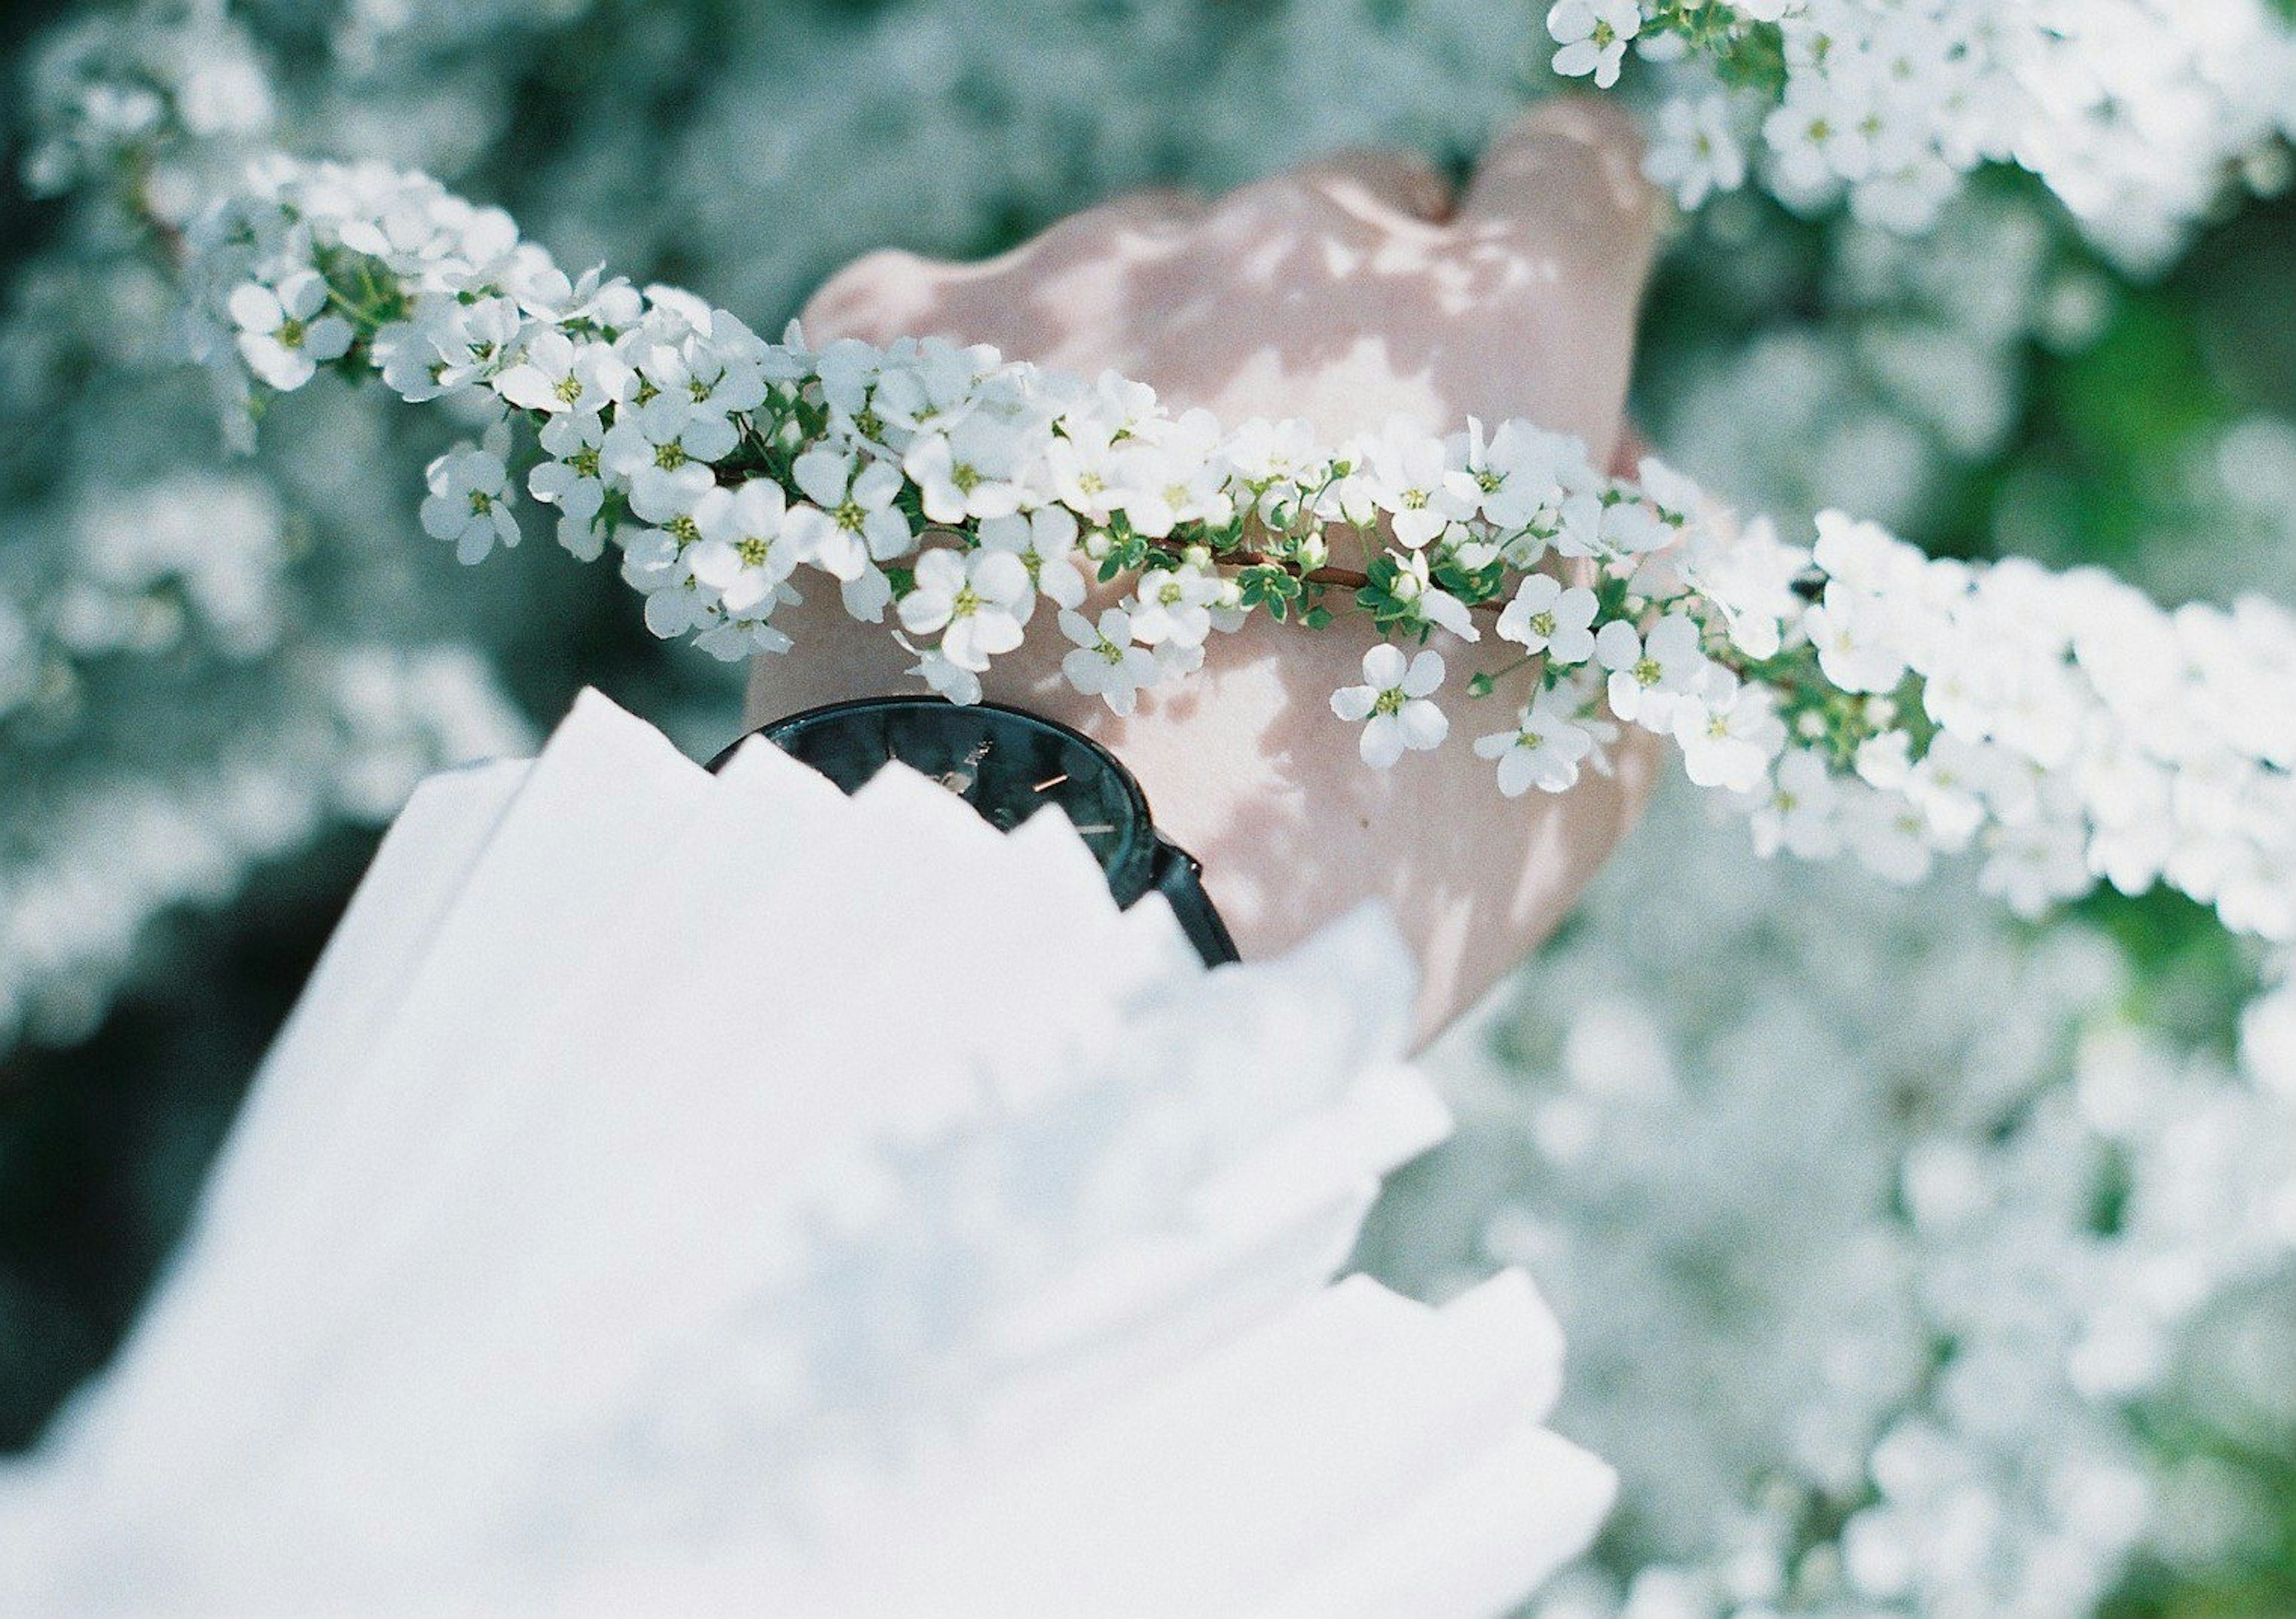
(1348, 293)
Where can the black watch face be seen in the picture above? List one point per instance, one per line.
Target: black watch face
(1006, 764)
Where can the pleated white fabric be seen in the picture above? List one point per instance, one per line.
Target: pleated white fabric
(710, 1195)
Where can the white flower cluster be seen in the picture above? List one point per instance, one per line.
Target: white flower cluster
(99, 849)
(200, 674)
(107, 88)
(1854, 696)
(2131, 111)
(1865, 1332)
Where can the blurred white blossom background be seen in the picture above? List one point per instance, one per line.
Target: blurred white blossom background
(1915, 1261)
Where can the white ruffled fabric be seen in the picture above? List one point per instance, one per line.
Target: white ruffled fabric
(711, 1195)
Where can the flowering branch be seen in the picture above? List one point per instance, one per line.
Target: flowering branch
(2132, 114)
(1852, 695)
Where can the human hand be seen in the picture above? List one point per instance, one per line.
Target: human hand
(1349, 292)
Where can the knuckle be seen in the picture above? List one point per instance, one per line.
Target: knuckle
(853, 300)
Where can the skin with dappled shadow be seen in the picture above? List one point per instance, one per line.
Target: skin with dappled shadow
(1349, 292)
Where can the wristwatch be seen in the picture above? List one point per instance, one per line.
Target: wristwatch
(1009, 764)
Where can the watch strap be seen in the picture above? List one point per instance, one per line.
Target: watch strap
(1179, 876)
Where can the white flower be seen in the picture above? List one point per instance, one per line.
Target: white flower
(1728, 737)
(1278, 455)
(1818, 136)
(558, 374)
(545, 292)
(1544, 750)
(978, 599)
(1866, 556)
(1630, 524)
(855, 521)
(1959, 783)
(952, 680)
(469, 503)
(1594, 35)
(1850, 634)
(1045, 541)
(1661, 666)
(1175, 604)
(1171, 476)
(1430, 603)
(1175, 658)
(1107, 663)
(1394, 699)
(1408, 478)
(1087, 469)
(1547, 617)
(867, 593)
(1696, 151)
(968, 472)
(921, 383)
(1887, 834)
(2034, 866)
(653, 560)
(664, 450)
(282, 337)
(449, 345)
(1750, 577)
(731, 639)
(716, 374)
(573, 479)
(739, 554)
(1797, 813)
(1524, 474)
(412, 353)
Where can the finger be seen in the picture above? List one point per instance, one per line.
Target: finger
(1567, 180)
(877, 298)
(887, 293)
(1151, 212)
(1559, 228)
(1153, 205)
(1626, 458)
(1343, 193)
(1372, 184)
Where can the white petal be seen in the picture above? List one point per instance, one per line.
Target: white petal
(1001, 577)
(1617, 645)
(822, 475)
(1421, 725)
(877, 484)
(255, 307)
(1425, 675)
(1381, 743)
(1384, 665)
